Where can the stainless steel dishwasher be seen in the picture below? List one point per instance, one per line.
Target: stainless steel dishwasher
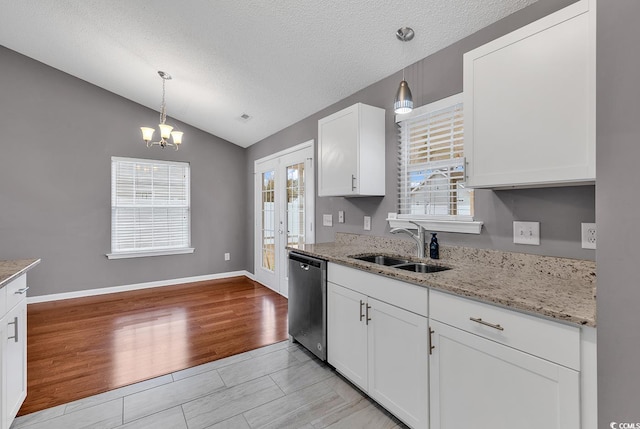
(308, 303)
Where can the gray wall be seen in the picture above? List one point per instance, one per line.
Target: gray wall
(618, 153)
(58, 135)
(559, 210)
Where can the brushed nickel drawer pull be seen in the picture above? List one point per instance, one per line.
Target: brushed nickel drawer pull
(361, 313)
(482, 322)
(15, 324)
(22, 291)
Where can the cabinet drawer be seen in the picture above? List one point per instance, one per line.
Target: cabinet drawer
(16, 291)
(549, 340)
(411, 297)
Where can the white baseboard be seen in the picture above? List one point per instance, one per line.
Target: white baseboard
(137, 286)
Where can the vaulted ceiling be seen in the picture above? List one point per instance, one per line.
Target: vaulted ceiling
(277, 61)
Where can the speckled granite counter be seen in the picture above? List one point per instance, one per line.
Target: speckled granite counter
(558, 288)
(9, 270)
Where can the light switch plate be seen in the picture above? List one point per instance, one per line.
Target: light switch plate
(367, 223)
(327, 220)
(340, 216)
(526, 233)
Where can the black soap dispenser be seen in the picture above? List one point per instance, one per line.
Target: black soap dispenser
(434, 247)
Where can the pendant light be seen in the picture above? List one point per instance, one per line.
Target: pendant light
(403, 102)
(166, 131)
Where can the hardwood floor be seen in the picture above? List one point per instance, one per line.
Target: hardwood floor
(80, 347)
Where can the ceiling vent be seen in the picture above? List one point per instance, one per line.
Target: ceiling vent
(244, 118)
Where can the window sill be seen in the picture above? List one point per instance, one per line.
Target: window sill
(124, 255)
(464, 227)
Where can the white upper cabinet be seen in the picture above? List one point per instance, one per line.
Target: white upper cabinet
(351, 155)
(529, 100)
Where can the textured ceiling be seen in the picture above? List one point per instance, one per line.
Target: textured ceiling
(278, 61)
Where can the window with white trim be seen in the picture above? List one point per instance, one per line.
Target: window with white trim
(432, 164)
(150, 207)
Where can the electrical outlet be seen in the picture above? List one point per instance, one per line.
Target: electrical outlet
(526, 233)
(227, 256)
(327, 220)
(340, 216)
(589, 235)
(367, 223)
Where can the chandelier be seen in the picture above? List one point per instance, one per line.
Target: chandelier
(166, 131)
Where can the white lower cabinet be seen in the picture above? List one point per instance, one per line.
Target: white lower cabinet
(479, 379)
(380, 347)
(469, 365)
(13, 351)
(478, 383)
(347, 334)
(398, 362)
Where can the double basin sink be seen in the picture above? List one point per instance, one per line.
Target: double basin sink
(401, 264)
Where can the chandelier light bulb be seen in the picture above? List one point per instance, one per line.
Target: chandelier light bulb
(165, 130)
(176, 136)
(147, 133)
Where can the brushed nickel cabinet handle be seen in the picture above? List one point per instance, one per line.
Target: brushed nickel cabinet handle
(368, 318)
(22, 291)
(361, 313)
(353, 182)
(431, 346)
(15, 324)
(482, 322)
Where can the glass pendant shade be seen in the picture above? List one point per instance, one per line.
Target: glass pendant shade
(177, 137)
(147, 133)
(404, 101)
(165, 130)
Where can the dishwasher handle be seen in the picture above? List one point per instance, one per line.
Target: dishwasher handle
(306, 261)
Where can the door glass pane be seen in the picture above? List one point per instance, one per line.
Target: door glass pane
(268, 220)
(295, 205)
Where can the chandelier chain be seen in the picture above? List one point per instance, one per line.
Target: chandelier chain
(163, 107)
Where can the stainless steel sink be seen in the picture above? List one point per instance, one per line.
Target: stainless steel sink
(381, 260)
(419, 267)
(402, 264)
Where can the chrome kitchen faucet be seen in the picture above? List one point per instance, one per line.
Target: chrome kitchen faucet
(419, 237)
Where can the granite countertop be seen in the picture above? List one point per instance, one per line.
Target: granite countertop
(9, 270)
(558, 288)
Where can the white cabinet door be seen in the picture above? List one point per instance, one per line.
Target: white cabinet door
(338, 153)
(14, 362)
(351, 152)
(481, 384)
(398, 362)
(530, 104)
(347, 333)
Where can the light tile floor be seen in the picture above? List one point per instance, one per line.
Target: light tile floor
(278, 386)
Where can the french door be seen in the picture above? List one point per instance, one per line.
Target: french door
(284, 212)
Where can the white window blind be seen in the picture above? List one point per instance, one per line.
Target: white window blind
(431, 163)
(150, 206)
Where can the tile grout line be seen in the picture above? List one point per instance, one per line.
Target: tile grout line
(184, 416)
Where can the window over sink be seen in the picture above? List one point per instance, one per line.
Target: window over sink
(431, 179)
